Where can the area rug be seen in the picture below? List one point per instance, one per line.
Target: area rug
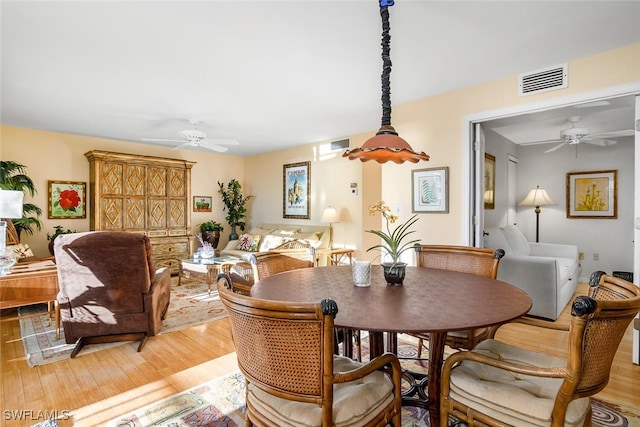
(220, 403)
(190, 305)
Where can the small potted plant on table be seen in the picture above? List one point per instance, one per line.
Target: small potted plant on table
(210, 232)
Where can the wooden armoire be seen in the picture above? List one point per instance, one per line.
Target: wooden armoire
(143, 194)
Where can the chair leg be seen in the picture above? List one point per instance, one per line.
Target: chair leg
(420, 344)
(143, 341)
(79, 344)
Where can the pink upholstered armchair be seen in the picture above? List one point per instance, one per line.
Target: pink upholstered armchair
(109, 288)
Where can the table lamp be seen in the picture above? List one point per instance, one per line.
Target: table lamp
(537, 197)
(10, 207)
(330, 215)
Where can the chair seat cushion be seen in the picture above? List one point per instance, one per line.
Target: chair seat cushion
(523, 400)
(354, 403)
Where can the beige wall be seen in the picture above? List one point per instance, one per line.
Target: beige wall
(434, 125)
(60, 157)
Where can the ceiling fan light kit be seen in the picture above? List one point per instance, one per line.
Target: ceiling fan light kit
(386, 145)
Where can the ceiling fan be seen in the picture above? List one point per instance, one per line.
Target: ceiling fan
(575, 135)
(197, 138)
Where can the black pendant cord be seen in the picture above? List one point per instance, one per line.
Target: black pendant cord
(386, 67)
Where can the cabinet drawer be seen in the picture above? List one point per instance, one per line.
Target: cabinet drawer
(170, 248)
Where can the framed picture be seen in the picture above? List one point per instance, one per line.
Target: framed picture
(202, 203)
(592, 194)
(296, 188)
(67, 199)
(489, 181)
(430, 190)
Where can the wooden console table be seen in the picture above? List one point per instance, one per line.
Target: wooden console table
(31, 283)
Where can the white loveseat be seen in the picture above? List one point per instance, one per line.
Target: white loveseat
(266, 237)
(547, 272)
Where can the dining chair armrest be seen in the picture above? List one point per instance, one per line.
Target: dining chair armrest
(530, 321)
(380, 362)
(454, 359)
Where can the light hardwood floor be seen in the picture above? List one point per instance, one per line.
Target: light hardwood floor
(99, 386)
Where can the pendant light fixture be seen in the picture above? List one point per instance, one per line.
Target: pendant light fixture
(386, 145)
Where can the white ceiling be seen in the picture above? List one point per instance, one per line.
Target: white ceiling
(272, 74)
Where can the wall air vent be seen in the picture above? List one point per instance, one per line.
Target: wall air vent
(551, 78)
(339, 145)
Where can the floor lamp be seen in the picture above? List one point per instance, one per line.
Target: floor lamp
(537, 197)
(330, 215)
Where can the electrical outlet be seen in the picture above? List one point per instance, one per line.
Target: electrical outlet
(596, 256)
(581, 256)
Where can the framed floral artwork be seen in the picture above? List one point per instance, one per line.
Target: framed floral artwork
(67, 199)
(202, 203)
(430, 190)
(296, 189)
(592, 194)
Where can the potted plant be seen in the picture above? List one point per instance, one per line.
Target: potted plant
(58, 231)
(210, 232)
(12, 177)
(392, 244)
(234, 204)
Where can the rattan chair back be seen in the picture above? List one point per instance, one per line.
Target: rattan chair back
(598, 324)
(286, 350)
(265, 264)
(465, 259)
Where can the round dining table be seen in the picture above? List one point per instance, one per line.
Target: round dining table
(429, 301)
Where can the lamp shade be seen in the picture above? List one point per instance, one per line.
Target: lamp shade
(330, 215)
(537, 197)
(11, 204)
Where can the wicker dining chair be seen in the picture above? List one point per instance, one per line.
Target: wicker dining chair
(497, 384)
(466, 259)
(294, 254)
(285, 352)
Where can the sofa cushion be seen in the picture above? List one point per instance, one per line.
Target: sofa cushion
(518, 243)
(249, 242)
(495, 239)
(270, 241)
(21, 250)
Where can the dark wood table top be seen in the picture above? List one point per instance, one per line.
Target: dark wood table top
(430, 300)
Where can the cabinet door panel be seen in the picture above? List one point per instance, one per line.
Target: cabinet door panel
(134, 214)
(111, 179)
(177, 215)
(176, 183)
(134, 180)
(157, 182)
(157, 213)
(111, 213)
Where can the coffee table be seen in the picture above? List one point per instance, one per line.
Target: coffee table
(205, 270)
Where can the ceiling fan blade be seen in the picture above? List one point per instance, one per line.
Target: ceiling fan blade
(555, 148)
(546, 141)
(614, 134)
(220, 141)
(186, 144)
(213, 147)
(601, 142)
(161, 140)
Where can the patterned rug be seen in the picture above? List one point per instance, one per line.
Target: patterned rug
(220, 403)
(190, 305)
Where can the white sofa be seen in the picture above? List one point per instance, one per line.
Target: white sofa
(266, 237)
(548, 272)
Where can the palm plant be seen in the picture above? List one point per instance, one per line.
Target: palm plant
(13, 177)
